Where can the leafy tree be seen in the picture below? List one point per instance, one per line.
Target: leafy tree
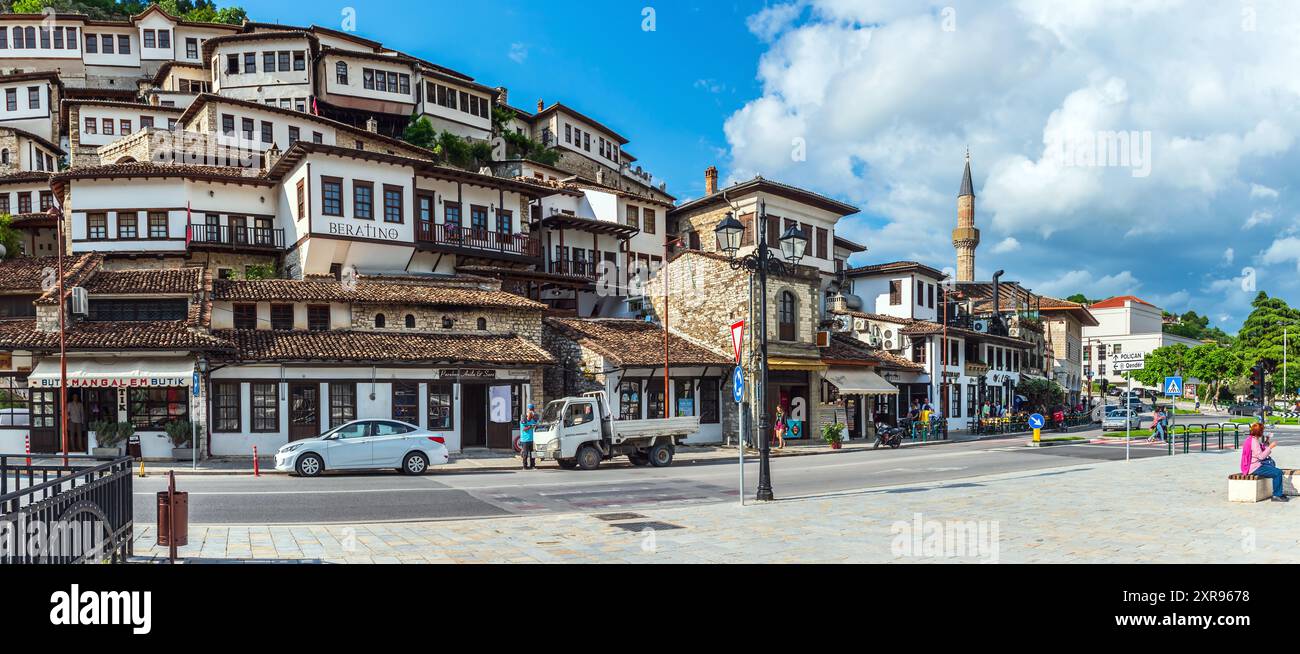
(419, 132)
(1215, 365)
(1080, 298)
(1167, 361)
(1041, 395)
(256, 271)
(1262, 335)
(10, 237)
(1191, 325)
(205, 11)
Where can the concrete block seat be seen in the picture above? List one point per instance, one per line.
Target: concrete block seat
(1253, 488)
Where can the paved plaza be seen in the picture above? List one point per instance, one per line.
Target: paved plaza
(1156, 510)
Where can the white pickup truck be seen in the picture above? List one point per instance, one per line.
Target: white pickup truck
(579, 432)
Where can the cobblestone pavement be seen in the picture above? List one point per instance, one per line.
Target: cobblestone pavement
(1160, 510)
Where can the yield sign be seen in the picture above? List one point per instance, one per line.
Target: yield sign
(738, 338)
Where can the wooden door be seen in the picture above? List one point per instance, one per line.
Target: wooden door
(304, 410)
(44, 418)
(500, 434)
(473, 404)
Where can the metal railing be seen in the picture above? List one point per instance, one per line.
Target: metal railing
(81, 512)
(1218, 431)
(922, 432)
(477, 239)
(224, 235)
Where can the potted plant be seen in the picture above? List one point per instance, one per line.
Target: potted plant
(181, 434)
(108, 442)
(833, 434)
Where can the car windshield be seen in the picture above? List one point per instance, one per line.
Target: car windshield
(551, 414)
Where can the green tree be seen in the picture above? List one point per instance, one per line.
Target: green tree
(419, 132)
(204, 11)
(1214, 365)
(1041, 395)
(10, 237)
(1080, 298)
(1270, 323)
(1162, 362)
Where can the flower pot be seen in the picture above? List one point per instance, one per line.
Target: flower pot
(106, 452)
(835, 445)
(183, 453)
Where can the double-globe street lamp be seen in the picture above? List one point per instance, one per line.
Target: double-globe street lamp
(794, 243)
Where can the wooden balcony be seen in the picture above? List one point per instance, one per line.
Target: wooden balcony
(235, 238)
(467, 240)
(587, 269)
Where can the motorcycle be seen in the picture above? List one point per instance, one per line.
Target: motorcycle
(889, 436)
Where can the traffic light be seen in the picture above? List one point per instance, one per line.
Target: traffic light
(1257, 382)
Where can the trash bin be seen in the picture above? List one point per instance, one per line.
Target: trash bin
(182, 513)
(133, 447)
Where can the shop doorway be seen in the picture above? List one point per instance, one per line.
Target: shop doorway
(789, 390)
(304, 411)
(473, 415)
(45, 422)
(476, 411)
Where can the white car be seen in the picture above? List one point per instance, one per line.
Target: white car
(365, 445)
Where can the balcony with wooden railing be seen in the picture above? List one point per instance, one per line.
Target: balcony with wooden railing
(577, 268)
(227, 237)
(478, 241)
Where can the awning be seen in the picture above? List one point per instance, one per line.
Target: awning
(115, 373)
(858, 381)
(796, 365)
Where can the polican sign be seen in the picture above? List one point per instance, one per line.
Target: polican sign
(1128, 361)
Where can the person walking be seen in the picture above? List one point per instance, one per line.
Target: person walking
(1157, 427)
(526, 428)
(779, 428)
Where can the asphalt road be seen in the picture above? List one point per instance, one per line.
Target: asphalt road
(370, 497)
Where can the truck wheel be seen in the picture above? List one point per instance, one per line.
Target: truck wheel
(567, 464)
(588, 458)
(638, 459)
(661, 456)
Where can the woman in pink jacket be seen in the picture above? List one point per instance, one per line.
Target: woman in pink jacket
(1257, 459)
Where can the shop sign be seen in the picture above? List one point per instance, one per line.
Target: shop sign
(467, 373)
(113, 382)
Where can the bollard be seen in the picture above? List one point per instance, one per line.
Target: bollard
(257, 472)
(27, 445)
(142, 469)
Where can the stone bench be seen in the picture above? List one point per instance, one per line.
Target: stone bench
(1253, 488)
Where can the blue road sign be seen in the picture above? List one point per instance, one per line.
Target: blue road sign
(738, 384)
(196, 383)
(1173, 387)
(1036, 421)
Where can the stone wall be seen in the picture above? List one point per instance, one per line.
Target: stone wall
(522, 323)
(576, 368)
(702, 223)
(9, 141)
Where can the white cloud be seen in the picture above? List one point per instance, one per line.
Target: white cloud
(710, 85)
(1007, 245)
(1259, 191)
(1083, 281)
(771, 21)
(1228, 255)
(1283, 250)
(1257, 218)
(518, 53)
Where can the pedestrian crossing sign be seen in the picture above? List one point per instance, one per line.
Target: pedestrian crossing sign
(1173, 386)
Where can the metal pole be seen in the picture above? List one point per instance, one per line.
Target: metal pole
(666, 364)
(1128, 415)
(740, 442)
(765, 443)
(63, 350)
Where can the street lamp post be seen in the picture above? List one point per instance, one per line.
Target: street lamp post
(762, 262)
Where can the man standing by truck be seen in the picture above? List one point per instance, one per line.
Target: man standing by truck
(526, 427)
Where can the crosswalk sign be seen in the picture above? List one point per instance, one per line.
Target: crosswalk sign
(1173, 386)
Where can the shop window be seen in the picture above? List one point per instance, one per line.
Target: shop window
(225, 407)
(265, 406)
(13, 401)
(441, 415)
(654, 398)
(629, 401)
(683, 397)
(406, 402)
(343, 403)
(152, 409)
(709, 407)
(44, 411)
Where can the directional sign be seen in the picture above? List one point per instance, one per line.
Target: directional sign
(738, 338)
(1036, 421)
(1173, 387)
(1128, 361)
(738, 385)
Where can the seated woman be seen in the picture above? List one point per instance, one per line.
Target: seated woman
(1257, 459)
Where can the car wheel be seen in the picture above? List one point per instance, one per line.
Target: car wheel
(415, 463)
(310, 465)
(588, 458)
(661, 456)
(638, 459)
(567, 464)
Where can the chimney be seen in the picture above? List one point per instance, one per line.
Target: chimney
(710, 180)
(540, 105)
(503, 95)
(600, 176)
(372, 125)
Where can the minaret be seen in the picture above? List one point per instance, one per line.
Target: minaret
(966, 238)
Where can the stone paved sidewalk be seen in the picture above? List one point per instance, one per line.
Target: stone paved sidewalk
(1161, 510)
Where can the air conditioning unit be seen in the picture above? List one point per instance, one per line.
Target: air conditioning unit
(981, 326)
(860, 324)
(80, 302)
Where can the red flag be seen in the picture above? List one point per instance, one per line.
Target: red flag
(189, 226)
(315, 109)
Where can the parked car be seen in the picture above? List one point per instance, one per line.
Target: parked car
(365, 445)
(1120, 418)
(1245, 409)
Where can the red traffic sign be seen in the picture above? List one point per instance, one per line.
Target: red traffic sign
(738, 338)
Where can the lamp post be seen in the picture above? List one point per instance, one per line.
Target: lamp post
(794, 243)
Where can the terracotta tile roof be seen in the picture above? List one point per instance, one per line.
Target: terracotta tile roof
(628, 343)
(153, 282)
(368, 292)
(880, 317)
(81, 270)
(851, 351)
(140, 169)
(27, 273)
(24, 177)
(266, 345)
(1118, 302)
(159, 335)
(896, 267)
(927, 328)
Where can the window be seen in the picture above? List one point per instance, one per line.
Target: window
(146, 122)
(406, 402)
(268, 132)
(393, 204)
(300, 60)
(124, 126)
(654, 399)
(24, 202)
(164, 39)
(11, 104)
(341, 72)
(72, 38)
(568, 133)
(247, 125)
(343, 403)
(45, 38)
(478, 219)
(895, 292)
(363, 200)
(157, 224)
(96, 226)
(150, 40)
(302, 198)
(331, 196)
(33, 97)
(282, 317)
(380, 321)
(265, 406)
(451, 213)
(123, 44)
(58, 38)
(441, 417)
(633, 217)
(282, 58)
(318, 317)
(225, 407)
(410, 321)
(684, 395)
(245, 316)
(918, 350)
(648, 220)
(191, 48)
(316, 137)
(152, 409)
(920, 294)
(368, 79)
(786, 312)
(268, 62)
(586, 141)
(709, 413)
(227, 124)
(929, 290)
(47, 199)
(629, 400)
(232, 64)
(250, 62)
(481, 324)
(505, 224)
(106, 125)
(823, 236)
(294, 135)
(127, 225)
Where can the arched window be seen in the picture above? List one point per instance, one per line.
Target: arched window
(482, 324)
(786, 314)
(410, 321)
(341, 71)
(447, 322)
(380, 321)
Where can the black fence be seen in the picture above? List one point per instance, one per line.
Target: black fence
(52, 513)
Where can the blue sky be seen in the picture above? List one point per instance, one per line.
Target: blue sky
(885, 96)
